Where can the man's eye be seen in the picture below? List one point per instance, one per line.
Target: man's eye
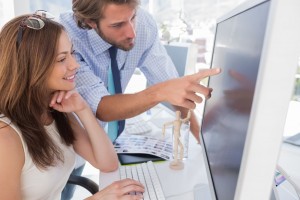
(117, 25)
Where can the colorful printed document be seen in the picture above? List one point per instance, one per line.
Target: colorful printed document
(144, 144)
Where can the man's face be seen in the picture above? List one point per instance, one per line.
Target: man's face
(117, 26)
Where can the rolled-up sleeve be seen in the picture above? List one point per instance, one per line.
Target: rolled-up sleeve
(90, 86)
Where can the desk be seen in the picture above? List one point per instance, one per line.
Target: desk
(289, 158)
(177, 185)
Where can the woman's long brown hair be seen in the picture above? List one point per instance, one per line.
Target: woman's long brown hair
(24, 69)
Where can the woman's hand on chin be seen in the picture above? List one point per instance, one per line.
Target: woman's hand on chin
(67, 101)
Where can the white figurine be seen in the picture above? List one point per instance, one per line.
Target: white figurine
(177, 144)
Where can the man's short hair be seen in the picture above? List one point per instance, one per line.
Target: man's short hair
(92, 10)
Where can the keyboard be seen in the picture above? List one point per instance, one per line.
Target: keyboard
(146, 174)
(137, 126)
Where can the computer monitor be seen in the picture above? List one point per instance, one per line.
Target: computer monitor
(257, 47)
(184, 56)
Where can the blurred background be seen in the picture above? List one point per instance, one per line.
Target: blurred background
(180, 22)
(183, 21)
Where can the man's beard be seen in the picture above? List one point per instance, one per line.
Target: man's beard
(113, 43)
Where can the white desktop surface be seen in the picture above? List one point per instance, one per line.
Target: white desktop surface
(289, 157)
(289, 160)
(177, 184)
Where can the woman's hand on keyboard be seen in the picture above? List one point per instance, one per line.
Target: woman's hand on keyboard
(126, 189)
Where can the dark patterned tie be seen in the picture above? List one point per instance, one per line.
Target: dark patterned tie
(117, 84)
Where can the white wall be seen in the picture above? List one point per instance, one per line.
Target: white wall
(6, 11)
(21, 7)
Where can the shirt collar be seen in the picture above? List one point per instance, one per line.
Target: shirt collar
(97, 43)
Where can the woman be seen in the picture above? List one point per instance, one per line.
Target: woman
(39, 113)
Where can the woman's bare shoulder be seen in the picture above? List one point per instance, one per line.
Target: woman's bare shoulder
(9, 137)
(12, 157)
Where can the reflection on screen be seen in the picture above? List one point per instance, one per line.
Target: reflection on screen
(237, 49)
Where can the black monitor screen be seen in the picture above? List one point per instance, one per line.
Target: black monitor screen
(237, 49)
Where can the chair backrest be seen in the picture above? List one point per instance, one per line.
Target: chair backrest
(87, 183)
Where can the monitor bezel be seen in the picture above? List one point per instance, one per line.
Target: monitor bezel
(269, 109)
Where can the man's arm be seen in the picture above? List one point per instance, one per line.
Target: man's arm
(179, 92)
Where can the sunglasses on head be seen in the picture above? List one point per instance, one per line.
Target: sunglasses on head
(34, 21)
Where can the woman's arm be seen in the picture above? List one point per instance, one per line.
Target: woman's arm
(12, 160)
(92, 143)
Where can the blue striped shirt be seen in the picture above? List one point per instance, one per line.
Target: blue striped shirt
(92, 54)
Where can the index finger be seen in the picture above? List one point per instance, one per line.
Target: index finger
(205, 73)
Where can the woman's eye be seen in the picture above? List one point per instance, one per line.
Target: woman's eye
(62, 60)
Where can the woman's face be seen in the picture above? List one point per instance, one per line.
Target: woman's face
(65, 66)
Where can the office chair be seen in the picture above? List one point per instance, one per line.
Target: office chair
(84, 182)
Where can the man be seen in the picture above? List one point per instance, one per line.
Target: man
(121, 23)
(97, 25)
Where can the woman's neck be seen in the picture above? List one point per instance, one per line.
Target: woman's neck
(47, 118)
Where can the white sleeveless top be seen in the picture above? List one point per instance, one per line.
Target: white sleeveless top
(45, 184)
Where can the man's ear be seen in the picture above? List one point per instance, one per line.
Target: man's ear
(91, 23)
